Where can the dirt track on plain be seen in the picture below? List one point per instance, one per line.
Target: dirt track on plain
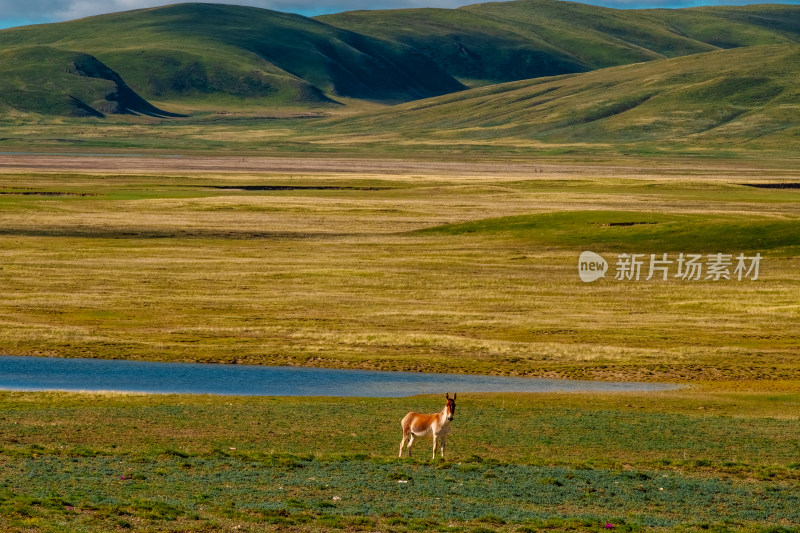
(150, 164)
(510, 169)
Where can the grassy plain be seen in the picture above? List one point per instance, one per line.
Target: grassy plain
(682, 460)
(460, 265)
(466, 267)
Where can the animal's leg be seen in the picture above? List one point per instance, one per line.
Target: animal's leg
(410, 442)
(402, 443)
(435, 443)
(443, 438)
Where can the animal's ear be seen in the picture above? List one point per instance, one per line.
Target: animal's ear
(446, 395)
(454, 396)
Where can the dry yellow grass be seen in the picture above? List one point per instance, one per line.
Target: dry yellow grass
(166, 259)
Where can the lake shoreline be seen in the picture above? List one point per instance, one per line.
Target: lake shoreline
(27, 373)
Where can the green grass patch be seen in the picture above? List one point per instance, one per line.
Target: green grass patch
(402, 265)
(638, 231)
(578, 462)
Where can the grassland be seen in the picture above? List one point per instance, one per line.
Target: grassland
(505, 41)
(467, 267)
(740, 98)
(440, 235)
(223, 57)
(49, 81)
(741, 103)
(202, 59)
(543, 462)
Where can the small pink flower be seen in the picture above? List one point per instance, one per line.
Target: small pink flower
(609, 526)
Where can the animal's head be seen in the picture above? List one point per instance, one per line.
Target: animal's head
(450, 408)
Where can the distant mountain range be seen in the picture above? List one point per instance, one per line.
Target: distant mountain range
(745, 96)
(194, 58)
(507, 41)
(213, 56)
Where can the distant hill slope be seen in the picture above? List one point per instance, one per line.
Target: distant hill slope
(194, 56)
(748, 96)
(506, 41)
(49, 81)
(201, 51)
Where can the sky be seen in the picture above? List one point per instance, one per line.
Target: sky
(23, 12)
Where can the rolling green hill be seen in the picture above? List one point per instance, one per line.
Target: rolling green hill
(50, 81)
(507, 41)
(743, 96)
(680, 79)
(231, 54)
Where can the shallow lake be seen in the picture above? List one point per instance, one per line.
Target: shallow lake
(50, 373)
